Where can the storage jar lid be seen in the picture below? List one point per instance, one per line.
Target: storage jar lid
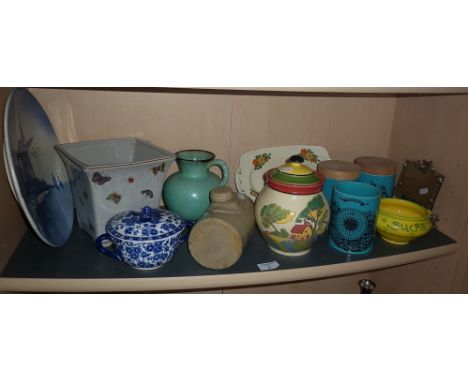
(376, 165)
(295, 178)
(339, 170)
(148, 224)
(221, 194)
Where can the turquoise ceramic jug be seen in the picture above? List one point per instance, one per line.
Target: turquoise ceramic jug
(187, 192)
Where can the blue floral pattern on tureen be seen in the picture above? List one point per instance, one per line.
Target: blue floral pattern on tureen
(145, 240)
(148, 255)
(149, 224)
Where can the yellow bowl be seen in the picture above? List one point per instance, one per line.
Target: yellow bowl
(400, 221)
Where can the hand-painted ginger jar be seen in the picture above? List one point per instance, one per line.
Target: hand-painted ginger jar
(291, 211)
(144, 240)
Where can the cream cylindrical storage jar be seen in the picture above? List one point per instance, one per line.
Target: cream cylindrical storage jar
(378, 172)
(336, 171)
(291, 211)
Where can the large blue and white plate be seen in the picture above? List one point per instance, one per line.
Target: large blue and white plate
(36, 173)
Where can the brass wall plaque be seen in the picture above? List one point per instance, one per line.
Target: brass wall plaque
(419, 183)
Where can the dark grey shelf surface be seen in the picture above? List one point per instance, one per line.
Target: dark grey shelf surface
(80, 259)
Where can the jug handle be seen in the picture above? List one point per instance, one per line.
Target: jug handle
(224, 169)
(103, 249)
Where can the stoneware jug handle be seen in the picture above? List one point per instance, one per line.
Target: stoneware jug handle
(103, 249)
(224, 169)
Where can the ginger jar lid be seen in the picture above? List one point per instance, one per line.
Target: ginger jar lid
(147, 224)
(295, 178)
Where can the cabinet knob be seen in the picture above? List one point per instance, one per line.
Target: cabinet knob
(367, 286)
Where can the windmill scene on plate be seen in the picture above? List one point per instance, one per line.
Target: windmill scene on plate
(40, 177)
(294, 233)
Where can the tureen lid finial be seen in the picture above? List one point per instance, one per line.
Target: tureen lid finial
(145, 214)
(145, 224)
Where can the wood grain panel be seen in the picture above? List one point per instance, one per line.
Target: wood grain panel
(460, 278)
(347, 127)
(435, 128)
(12, 222)
(58, 108)
(172, 121)
(355, 90)
(431, 276)
(342, 285)
(228, 125)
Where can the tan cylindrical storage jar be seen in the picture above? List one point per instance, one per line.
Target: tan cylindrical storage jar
(378, 172)
(219, 237)
(336, 171)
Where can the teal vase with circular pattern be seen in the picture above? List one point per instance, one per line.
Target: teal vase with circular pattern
(354, 209)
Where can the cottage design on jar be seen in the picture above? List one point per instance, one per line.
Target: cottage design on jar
(291, 211)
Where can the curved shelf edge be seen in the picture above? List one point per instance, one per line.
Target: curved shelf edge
(186, 283)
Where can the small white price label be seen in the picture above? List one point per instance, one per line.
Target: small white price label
(268, 266)
(423, 191)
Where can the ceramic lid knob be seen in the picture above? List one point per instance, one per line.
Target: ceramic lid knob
(145, 214)
(294, 178)
(294, 166)
(147, 224)
(221, 194)
(296, 159)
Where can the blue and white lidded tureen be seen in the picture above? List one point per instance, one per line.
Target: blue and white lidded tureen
(145, 240)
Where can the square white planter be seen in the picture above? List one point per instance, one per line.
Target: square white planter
(113, 175)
